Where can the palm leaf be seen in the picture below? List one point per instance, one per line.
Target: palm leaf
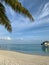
(3, 18)
(17, 6)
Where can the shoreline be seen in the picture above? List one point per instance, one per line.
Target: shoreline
(25, 53)
(16, 58)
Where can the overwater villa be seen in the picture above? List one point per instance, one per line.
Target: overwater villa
(45, 43)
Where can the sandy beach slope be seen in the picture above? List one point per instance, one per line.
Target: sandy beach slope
(15, 58)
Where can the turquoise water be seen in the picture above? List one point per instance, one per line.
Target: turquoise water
(25, 48)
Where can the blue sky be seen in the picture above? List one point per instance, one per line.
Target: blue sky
(22, 27)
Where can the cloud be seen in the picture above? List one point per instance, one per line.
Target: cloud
(44, 11)
(5, 38)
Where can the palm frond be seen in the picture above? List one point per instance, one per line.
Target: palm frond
(3, 18)
(17, 6)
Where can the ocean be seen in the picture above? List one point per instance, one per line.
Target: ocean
(35, 49)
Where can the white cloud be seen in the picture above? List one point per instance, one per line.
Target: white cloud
(44, 11)
(21, 25)
(5, 38)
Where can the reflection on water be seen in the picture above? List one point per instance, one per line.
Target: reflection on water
(45, 49)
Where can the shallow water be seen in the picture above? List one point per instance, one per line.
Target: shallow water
(25, 48)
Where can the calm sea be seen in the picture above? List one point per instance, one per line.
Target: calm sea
(35, 49)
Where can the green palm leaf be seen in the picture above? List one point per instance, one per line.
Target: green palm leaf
(3, 18)
(17, 6)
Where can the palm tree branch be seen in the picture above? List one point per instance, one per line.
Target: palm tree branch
(4, 20)
(17, 6)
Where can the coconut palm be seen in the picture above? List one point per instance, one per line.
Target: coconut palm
(16, 6)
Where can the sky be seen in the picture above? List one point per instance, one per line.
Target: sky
(24, 28)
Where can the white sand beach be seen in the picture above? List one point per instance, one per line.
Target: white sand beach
(15, 58)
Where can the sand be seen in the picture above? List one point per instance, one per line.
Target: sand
(15, 58)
